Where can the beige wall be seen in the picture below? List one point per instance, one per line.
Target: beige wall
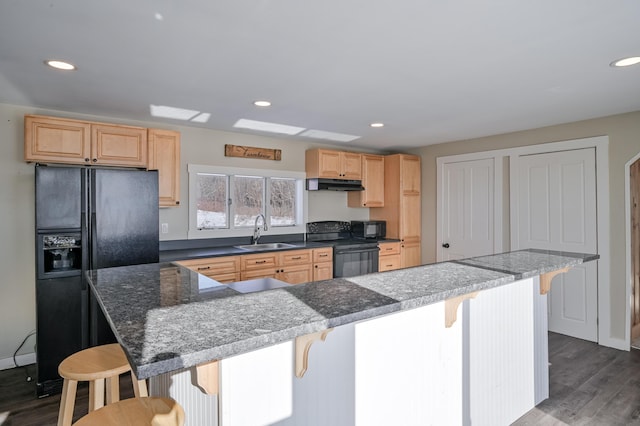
(624, 143)
(199, 146)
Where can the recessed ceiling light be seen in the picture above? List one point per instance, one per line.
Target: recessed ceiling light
(60, 65)
(376, 124)
(625, 62)
(262, 103)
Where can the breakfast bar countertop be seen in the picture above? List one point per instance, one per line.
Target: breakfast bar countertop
(168, 317)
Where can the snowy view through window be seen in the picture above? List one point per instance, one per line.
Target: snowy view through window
(248, 195)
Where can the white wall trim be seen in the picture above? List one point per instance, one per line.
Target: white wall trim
(601, 145)
(24, 359)
(627, 258)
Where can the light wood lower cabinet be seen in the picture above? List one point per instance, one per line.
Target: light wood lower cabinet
(389, 256)
(224, 269)
(291, 266)
(322, 263)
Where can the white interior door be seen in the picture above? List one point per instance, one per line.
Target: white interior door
(467, 209)
(556, 210)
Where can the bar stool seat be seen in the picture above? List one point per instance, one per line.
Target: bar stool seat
(97, 365)
(136, 411)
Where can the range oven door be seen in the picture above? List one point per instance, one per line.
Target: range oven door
(351, 262)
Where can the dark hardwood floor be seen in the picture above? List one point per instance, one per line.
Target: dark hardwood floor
(589, 385)
(20, 407)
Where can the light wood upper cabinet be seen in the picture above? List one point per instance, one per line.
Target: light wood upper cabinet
(322, 163)
(113, 145)
(373, 182)
(402, 205)
(56, 140)
(164, 156)
(67, 141)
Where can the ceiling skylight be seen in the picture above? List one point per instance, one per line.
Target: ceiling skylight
(164, 111)
(331, 136)
(268, 127)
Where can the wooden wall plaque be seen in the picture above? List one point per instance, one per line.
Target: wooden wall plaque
(252, 152)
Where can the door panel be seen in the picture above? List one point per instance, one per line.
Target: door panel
(467, 209)
(557, 211)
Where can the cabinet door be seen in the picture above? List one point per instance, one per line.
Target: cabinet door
(113, 145)
(296, 274)
(322, 271)
(410, 224)
(373, 182)
(351, 165)
(330, 164)
(55, 140)
(410, 174)
(164, 156)
(410, 254)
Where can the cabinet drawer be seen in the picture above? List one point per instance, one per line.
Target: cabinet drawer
(213, 265)
(389, 263)
(259, 261)
(295, 257)
(387, 249)
(323, 255)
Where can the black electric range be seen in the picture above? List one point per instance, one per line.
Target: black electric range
(351, 256)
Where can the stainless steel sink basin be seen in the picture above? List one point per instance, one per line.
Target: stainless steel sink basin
(265, 246)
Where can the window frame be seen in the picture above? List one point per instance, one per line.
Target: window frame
(301, 202)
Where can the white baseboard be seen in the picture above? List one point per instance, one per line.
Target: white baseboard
(612, 342)
(22, 360)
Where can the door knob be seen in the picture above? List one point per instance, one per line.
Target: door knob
(445, 245)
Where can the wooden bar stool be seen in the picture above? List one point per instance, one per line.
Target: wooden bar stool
(95, 365)
(138, 412)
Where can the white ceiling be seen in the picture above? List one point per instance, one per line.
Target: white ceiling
(432, 71)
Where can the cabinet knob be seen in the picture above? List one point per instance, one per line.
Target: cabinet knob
(177, 203)
(86, 160)
(95, 160)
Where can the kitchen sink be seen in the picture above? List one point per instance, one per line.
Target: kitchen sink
(265, 246)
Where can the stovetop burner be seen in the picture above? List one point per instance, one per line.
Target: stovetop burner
(337, 233)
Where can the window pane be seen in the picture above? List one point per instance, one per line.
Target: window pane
(248, 198)
(212, 201)
(283, 202)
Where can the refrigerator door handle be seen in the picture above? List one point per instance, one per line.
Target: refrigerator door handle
(94, 242)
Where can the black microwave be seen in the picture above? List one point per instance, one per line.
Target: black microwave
(369, 228)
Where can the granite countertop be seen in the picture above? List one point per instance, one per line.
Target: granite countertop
(168, 317)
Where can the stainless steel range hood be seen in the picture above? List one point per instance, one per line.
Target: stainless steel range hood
(320, 184)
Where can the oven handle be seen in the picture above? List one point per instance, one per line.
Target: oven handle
(366, 250)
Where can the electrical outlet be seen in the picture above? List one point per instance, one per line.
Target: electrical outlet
(165, 228)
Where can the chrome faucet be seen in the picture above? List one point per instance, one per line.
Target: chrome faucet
(256, 229)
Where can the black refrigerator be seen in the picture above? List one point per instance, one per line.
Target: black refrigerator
(86, 218)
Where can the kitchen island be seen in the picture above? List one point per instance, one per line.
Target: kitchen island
(393, 347)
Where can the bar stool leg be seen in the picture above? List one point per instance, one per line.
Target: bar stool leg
(67, 402)
(139, 386)
(96, 394)
(113, 389)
